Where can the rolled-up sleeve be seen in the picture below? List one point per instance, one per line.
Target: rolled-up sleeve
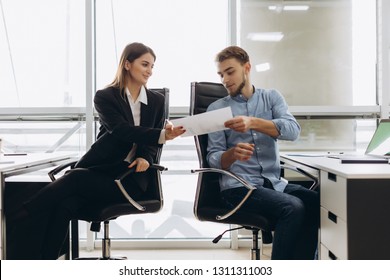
(285, 123)
(216, 142)
(215, 149)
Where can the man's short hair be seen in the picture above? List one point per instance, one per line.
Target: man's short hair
(233, 52)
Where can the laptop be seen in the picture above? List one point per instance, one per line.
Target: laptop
(378, 150)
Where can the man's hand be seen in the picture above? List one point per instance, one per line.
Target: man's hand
(243, 151)
(244, 123)
(172, 132)
(239, 123)
(141, 165)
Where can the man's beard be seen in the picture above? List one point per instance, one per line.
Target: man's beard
(240, 87)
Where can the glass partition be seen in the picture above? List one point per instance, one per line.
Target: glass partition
(332, 135)
(314, 52)
(43, 136)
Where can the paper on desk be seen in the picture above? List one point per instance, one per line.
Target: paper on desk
(204, 123)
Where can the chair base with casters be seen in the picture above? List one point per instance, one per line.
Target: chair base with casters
(255, 250)
(251, 221)
(106, 244)
(110, 213)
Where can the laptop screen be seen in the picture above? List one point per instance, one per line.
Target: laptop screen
(380, 141)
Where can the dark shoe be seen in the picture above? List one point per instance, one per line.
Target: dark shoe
(266, 237)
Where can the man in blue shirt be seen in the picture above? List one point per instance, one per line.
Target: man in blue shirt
(250, 150)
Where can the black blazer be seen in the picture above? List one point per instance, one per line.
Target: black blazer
(117, 133)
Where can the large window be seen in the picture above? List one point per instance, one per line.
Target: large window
(185, 36)
(42, 75)
(42, 53)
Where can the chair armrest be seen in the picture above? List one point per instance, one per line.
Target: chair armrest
(231, 174)
(131, 170)
(58, 169)
(304, 173)
(118, 182)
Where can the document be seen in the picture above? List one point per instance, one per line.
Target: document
(204, 123)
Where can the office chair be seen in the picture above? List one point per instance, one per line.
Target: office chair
(104, 215)
(207, 205)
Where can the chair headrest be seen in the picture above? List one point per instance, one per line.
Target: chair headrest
(203, 94)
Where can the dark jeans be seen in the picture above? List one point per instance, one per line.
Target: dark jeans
(295, 213)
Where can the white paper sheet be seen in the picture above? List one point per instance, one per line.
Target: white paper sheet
(204, 123)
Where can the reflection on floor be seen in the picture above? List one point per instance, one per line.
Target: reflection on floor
(176, 219)
(183, 254)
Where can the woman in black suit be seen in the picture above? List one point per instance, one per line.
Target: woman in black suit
(132, 129)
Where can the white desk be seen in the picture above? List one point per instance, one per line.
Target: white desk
(355, 206)
(21, 164)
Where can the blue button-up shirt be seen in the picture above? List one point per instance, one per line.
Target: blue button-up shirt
(265, 104)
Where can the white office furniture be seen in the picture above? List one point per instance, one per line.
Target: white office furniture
(21, 164)
(355, 206)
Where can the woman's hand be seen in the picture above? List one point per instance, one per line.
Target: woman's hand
(141, 165)
(172, 132)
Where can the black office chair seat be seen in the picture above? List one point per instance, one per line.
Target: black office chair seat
(104, 215)
(109, 213)
(114, 211)
(246, 219)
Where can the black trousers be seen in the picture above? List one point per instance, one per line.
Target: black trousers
(67, 198)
